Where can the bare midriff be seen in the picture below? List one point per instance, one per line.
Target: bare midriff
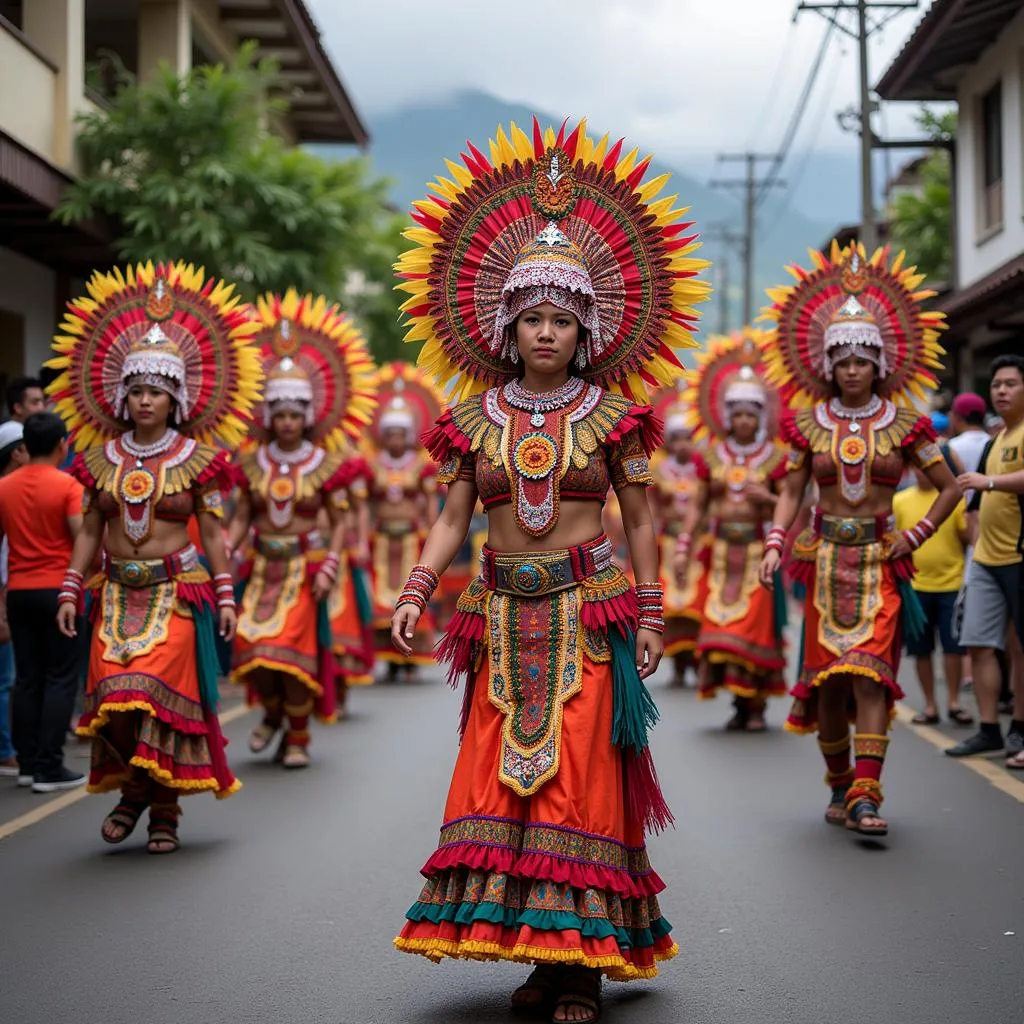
(296, 528)
(578, 522)
(877, 503)
(166, 538)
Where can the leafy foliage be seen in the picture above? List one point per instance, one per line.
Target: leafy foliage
(192, 168)
(920, 221)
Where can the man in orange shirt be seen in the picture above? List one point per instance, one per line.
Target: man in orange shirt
(40, 514)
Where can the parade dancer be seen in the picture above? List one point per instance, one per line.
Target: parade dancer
(544, 276)
(156, 370)
(319, 392)
(678, 470)
(404, 504)
(851, 341)
(740, 644)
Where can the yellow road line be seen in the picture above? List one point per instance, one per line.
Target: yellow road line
(44, 811)
(993, 773)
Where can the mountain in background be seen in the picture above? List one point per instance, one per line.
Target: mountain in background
(409, 146)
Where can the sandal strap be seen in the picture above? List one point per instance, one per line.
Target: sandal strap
(864, 808)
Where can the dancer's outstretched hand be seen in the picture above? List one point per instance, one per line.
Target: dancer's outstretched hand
(66, 615)
(649, 648)
(403, 627)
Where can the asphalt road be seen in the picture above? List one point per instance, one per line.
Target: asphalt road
(281, 905)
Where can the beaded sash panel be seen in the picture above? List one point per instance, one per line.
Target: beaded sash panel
(847, 593)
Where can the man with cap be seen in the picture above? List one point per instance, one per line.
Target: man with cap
(967, 422)
(12, 456)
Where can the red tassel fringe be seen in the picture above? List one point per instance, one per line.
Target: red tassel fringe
(643, 792)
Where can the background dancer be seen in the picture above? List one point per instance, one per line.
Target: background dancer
(740, 644)
(542, 853)
(157, 369)
(319, 390)
(851, 338)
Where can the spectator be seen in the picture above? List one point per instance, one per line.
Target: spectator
(940, 421)
(967, 420)
(939, 562)
(992, 604)
(24, 396)
(12, 455)
(40, 513)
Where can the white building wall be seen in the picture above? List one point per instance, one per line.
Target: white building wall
(981, 253)
(28, 289)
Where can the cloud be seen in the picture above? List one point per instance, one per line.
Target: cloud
(688, 76)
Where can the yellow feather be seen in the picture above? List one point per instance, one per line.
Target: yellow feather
(627, 163)
(649, 190)
(521, 142)
(600, 150)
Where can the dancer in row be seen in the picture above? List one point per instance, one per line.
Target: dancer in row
(740, 645)
(679, 471)
(319, 391)
(545, 276)
(156, 370)
(404, 504)
(850, 341)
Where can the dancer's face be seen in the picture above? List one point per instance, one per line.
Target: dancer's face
(546, 337)
(680, 444)
(744, 426)
(148, 406)
(855, 377)
(396, 440)
(288, 426)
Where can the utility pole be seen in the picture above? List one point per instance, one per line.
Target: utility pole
(730, 240)
(751, 186)
(863, 8)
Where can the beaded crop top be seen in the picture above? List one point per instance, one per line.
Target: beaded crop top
(533, 450)
(286, 484)
(855, 449)
(171, 480)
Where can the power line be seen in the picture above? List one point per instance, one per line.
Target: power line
(770, 97)
(798, 113)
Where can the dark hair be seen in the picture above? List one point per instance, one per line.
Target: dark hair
(43, 432)
(1008, 362)
(975, 418)
(7, 453)
(15, 393)
(47, 375)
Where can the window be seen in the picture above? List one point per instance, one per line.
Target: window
(992, 158)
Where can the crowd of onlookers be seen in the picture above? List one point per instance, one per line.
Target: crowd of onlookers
(969, 579)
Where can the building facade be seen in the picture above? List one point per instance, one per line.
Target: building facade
(52, 59)
(972, 53)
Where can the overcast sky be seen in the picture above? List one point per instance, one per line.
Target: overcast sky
(685, 77)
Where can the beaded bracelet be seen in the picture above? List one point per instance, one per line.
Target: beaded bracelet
(419, 588)
(776, 539)
(918, 534)
(71, 589)
(650, 606)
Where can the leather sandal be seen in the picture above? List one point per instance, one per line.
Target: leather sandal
(163, 828)
(580, 990)
(540, 990)
(858, 812)
(295, 757)
(835, 813)
(125, 816)
(261, 736)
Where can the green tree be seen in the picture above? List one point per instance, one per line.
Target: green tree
(189, 168)
(920, 221)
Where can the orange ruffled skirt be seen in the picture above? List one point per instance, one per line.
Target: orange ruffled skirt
(684, 606)
(561, 876)
(143, 658)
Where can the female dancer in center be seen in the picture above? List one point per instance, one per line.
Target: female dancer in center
(851, 341)
(547, 275)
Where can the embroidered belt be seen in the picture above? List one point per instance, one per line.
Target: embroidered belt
(275, 547)
(400, 528)
(535, 573)
(851, 531)
(739, 533)
(148, 572)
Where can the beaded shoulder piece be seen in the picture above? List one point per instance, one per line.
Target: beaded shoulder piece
(138, 482)
(768, 460)
(894, 427)
(536, 450)
(285, 483)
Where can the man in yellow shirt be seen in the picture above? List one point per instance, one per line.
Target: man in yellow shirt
(939, 565)
(992, 606)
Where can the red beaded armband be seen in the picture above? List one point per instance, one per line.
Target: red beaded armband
(419, 588)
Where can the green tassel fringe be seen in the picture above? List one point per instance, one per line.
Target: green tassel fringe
(324, 637)
(912, 614)
(207, 661)
(780, 607)
(634, 710)
(362, 589)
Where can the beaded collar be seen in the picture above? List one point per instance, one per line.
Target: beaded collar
(539, 403)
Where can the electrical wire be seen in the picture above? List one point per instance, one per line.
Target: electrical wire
(773, 88)
(798, 114)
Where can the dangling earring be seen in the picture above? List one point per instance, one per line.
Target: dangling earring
(514, 356)
(581, 357)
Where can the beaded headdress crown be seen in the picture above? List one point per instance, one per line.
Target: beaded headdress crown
(853, 331)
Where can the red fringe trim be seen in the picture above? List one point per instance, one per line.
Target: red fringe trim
(703, 472)
(613, 611)
(197, 594)
(643, 792)
(219, 469)
(543, 867)
(922, 430)
(80, 472)
(327, 672)
(443, 436)
(791, 433)
(643, 420)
